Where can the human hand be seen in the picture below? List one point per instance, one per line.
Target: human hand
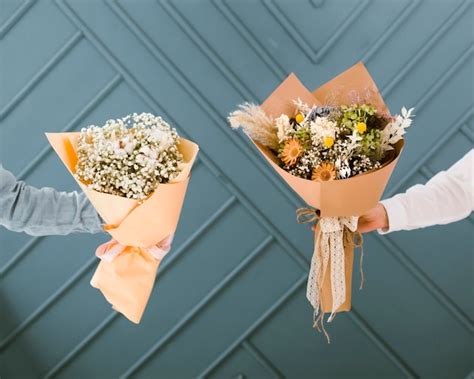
(374, 219)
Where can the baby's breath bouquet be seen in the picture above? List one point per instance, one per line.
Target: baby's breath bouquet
(336, 147)
(135, 172)
(129, 156)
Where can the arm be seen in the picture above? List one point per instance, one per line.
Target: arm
(445, 198)
(44, 211)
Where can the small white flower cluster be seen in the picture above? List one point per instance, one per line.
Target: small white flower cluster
(128, 157)
(321, 128)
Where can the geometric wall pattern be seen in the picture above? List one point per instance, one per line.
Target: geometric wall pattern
(229, 300)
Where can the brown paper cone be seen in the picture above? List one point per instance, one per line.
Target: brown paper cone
(338, 197)
(354, 84)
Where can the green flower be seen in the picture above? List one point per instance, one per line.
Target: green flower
(355, 114)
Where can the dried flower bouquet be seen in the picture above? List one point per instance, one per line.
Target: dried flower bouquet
(327, 142)
(336, 147)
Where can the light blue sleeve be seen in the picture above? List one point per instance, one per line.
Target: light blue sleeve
(44, 211)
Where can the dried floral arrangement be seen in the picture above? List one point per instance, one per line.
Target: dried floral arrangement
(128, 157)
(336, 147)
(323, 143)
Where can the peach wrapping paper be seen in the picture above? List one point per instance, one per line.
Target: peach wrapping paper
(339, 198)
(139, 230)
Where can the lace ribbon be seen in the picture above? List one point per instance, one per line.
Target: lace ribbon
(333, 233)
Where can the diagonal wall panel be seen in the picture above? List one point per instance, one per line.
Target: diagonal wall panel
(229, 300)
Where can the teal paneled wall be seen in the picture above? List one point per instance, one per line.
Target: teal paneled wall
(229, 301)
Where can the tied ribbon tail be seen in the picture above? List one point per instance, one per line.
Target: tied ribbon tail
(358, 242)
(318, 315)
(319, 263)
(307, 215)
(318, 324)
(109, 250)
(355, 238)
(361, 270)
(330, 241)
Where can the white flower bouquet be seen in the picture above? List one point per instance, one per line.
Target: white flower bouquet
(128, 157)
(135, 172)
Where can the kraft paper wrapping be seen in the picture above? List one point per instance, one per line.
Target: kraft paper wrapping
(347, 197)
(126, 281)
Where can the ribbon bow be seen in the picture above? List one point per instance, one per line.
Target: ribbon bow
(126, 274)
(333, 234)
(109, 250)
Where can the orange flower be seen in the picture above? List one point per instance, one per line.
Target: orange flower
(291, 152)
(324, 172)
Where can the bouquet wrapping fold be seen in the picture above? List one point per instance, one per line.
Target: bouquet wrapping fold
(334, 205)
(141, 231)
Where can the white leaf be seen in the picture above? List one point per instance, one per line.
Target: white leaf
(404, 112)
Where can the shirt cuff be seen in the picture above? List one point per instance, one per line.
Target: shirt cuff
(396, 215)
(94, 224)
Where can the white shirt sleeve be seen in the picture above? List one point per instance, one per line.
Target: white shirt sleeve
(445, 198)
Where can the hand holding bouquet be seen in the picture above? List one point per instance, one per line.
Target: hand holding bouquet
(135, 172)
(336, 147)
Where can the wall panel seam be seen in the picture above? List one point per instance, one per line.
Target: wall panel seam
(400, 19)
(15, 17)
(314, 55)
(71, 125)
(36, 79)
(426, 46)
(246, 33)
(426, 282)
(263, 360)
